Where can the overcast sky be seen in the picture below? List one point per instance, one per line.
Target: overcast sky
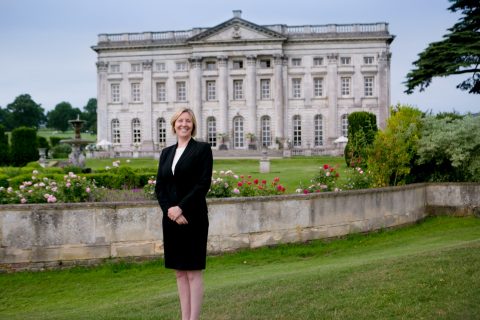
(45, 44)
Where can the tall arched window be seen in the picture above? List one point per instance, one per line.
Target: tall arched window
(136, 131)
(344, 125)
(212, 131)
(115, 131)
(318, 130)
(238, 132)
(162, 131)
(297, 131)
(266, 132)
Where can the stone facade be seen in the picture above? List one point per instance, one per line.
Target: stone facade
(250, 86)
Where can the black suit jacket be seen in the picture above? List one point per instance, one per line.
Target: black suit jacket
(191, 182)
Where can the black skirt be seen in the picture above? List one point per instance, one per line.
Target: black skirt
(185, 246)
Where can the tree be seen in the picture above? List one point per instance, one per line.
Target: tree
(394, 150)
(458, 53)
(25, 112)
(5, 119)
(362, 127)
(90, 115)
(58, 117)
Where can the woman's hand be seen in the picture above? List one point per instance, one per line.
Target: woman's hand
(176, 214)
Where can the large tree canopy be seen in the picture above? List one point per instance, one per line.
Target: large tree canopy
(58, 117)
(458, 53)
(24, 112)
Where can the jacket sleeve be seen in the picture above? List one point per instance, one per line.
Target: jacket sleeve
(200, 189)
(160, 184)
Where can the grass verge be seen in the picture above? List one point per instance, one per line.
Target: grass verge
(427, 271)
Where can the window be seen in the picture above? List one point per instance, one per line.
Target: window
(115, 68)
(181, 66)
(136, 92)
(115, 92)
(136, 131)
(212, 131)
(318, 130)
(210, 65)
(264, 89)
(368, 60)
(266, 137)
(161, 92)
(265, 63)
(136, 67)
(345, 81)
(297, 131)
(115, 131)
(344, 125)
(296, 62)
(160, 66)
(368, 86)
(318, 87)
(345, 60)
(317, 62)
(237, 64)
(181, 91)
(296, 88)
(211, 94)
(237, 89)
(162, 131)
(238, 132)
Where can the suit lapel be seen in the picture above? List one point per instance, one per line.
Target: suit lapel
(169, 159)
(186, 154)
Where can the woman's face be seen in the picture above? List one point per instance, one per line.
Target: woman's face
(184, 126)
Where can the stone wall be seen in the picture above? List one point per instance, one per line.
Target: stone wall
(52, 235)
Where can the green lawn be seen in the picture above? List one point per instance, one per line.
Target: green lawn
(427, 271)
(291, 171)
(47, 133)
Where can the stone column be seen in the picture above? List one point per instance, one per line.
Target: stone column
(251, 93)
(278, 96)
(147, 121)
(102, 100)
(383, 89)
(332, 94)
(196, 94)
(223, 94)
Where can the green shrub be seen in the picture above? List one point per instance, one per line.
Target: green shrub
(61, 151)
(24, 146)
(54, 141)
(4, 180)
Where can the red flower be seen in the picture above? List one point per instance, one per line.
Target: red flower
(255, 181)
(325, 166)
(337, 175)
(249, 183)
(240, 184)
(331, 169)
(276, 179)
(264, 181)
(305, 191)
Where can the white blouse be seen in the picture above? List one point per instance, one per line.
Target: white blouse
(178, 154)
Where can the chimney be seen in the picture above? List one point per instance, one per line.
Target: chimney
(237, 13)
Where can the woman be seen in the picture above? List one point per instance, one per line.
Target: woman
(183, 180)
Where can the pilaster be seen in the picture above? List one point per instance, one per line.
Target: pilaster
(279, 104)
(251, 93)
(222, 62)
(196, 93)
(148, 121)
(332, 94)
(383, 88)
(102, 99)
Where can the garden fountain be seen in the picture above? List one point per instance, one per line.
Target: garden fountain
(77, 157)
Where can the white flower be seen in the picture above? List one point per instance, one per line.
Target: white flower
(299, 191)
(35, 172)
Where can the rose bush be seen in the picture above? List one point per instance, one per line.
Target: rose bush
(325, 180)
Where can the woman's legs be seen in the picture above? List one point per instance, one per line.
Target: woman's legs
(190, 291)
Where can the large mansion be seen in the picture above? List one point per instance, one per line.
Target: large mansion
(250, 86)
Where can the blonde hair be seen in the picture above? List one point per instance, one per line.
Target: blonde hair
(177, 115)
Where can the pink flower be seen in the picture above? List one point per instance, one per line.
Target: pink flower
(68, 185)
(236, 191)
(51, 199)
(23, 200)
(88, 190)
